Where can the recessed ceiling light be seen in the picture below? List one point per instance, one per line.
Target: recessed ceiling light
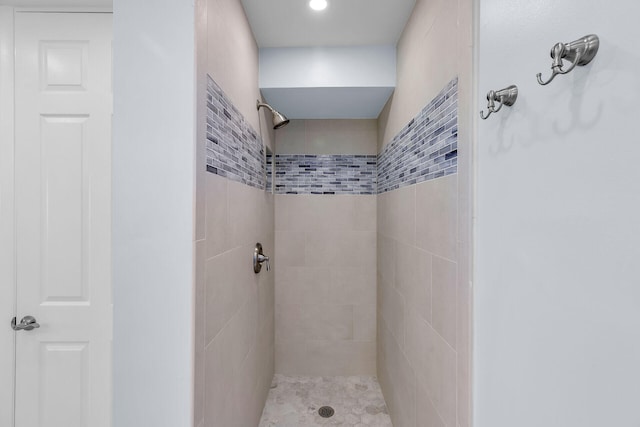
(318, 4)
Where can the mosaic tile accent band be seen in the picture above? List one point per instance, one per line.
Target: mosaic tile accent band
(325, 174)
(426, 148)
(234, 148)
(270, 172)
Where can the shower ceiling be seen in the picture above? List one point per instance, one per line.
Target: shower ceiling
(312, 79)
(289, 23)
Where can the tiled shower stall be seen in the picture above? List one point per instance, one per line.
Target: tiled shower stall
(361, 220)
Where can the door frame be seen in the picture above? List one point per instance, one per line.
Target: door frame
(7, 216)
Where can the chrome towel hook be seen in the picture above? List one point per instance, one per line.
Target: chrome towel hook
(578, 52)
(506, 96)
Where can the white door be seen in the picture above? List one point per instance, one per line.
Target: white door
(63, 107)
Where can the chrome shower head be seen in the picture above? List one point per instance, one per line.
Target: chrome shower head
(279, 120)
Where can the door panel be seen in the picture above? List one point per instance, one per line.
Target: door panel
(64, 363)
(64, 210)
(63, 217)
(64, 65)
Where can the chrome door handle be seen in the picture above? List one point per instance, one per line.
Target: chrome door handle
(27, 323)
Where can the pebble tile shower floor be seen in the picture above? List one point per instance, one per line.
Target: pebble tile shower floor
(294, 401)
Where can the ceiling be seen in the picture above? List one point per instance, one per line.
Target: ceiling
(291, 23)
(351, 24)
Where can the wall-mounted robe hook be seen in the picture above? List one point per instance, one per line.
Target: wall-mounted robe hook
(579, 52)
(506, 96)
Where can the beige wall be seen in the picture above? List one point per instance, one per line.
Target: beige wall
(417, 306)
(329, 136)
(325, 284)
(423, 236)
(234, 321)
(427, 59)
(236, 305)
(325, 275)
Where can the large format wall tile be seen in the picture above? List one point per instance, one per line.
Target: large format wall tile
(235, 308)
(414, 278)
(418, 216)
(418, 304)
(444, 302)
(325, 284)
(333, 136)
(300, 322)
(333, 358)
(421, 373)
(437, 229)
(216, 215)
(326, 247)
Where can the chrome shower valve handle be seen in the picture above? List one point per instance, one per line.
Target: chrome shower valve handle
(506, 96)
(579, 52)
(258, 258)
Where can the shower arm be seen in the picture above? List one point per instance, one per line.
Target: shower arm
(262, 104)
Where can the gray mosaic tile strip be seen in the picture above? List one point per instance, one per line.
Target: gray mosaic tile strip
(325, 174)
(234, 148)
(426, 148)
(270, 172)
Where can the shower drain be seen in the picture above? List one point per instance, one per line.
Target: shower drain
(326, 411)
